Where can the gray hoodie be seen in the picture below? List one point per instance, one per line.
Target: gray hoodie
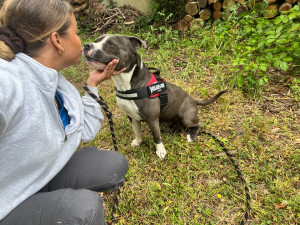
(34, 146)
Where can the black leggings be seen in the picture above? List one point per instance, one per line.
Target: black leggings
(71, 198)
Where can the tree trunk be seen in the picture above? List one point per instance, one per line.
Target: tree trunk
(191, 8)
(285, 7)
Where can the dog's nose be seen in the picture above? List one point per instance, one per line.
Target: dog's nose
(88, 46)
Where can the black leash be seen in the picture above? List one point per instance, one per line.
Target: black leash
(240, 175)
(230, 156)
(111, 126)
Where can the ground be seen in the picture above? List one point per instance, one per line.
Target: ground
(196, 183)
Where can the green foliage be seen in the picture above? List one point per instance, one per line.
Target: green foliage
(263, 43)
(253, 45)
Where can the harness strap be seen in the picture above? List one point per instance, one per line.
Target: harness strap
(155, 88)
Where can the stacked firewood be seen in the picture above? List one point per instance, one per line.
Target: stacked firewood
(199, 11)
(275, 7)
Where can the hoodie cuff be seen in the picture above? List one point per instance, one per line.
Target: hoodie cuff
(94, 90)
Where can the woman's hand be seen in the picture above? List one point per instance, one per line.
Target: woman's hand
(98, 76)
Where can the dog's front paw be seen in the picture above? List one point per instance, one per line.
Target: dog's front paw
(136, 143)
(161, 151)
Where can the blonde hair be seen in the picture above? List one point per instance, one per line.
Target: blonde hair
(34, 21)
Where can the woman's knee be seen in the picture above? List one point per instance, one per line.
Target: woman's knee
(81, 207)
(109, 168)
(63, 206)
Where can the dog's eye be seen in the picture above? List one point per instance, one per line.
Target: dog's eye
(110, 44)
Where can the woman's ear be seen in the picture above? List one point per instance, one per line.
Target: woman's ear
(56, 40)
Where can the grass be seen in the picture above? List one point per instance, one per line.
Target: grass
(196, 183)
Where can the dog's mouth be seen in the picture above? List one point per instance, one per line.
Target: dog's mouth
(95, 63)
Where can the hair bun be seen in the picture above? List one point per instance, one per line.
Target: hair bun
(12, 40)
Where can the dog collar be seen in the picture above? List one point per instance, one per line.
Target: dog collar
(156, 87)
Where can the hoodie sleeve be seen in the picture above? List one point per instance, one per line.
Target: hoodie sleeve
(92, 115)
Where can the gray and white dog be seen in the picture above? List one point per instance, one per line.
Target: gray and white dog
(180, 106)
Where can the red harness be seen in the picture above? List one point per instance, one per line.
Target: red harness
(155, 88)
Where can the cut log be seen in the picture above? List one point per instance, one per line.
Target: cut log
(271, 1)
(191, 8)
(291, 1)
(217, 6)
(271, 11)
(78, 2)
(202, 3)
(253, 3)
(241, 9)
(188, 18)
(205, 14)
(227, 4)
(285, 7)
(183, 26)
(212, 1)
(217, 14)
(197, 24)
(80, 8)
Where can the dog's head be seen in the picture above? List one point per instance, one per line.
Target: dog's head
(108, 47)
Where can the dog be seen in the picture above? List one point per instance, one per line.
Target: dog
(132, 84)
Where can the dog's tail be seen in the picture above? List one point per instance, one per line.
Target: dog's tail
(211, 100)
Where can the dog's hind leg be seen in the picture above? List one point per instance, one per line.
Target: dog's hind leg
(190, 120)
(137, 129)
(160, 149)
(193, 132)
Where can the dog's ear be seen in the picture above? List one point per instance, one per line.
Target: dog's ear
(137, 43)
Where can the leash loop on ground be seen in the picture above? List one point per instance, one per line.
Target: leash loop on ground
(240, 175)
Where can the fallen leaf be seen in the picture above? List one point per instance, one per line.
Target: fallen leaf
(275, 130)
(280, 206)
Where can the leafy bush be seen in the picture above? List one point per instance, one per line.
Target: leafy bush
(255, 44)
(264, 43)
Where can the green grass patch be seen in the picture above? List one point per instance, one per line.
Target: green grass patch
(196, 183)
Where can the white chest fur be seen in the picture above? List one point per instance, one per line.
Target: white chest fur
(122, 83)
